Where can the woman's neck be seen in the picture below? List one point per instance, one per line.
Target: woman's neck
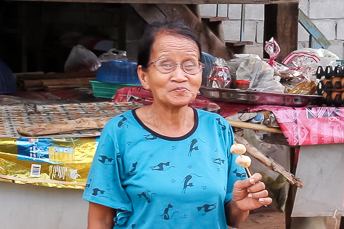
(168, 121)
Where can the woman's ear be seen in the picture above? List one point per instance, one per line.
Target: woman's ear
(143, 77)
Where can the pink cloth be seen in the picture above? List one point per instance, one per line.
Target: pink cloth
(309, 125)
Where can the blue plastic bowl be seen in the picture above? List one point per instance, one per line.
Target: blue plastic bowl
(7, 80)
(208, 61)
(119, 72)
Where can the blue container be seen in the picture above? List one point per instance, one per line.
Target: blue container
(208, 61)
(119, 72)
(7, 79)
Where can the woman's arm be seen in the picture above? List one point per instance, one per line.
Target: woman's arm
(100, 217)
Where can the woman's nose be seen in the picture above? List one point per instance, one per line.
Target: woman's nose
(179, 74)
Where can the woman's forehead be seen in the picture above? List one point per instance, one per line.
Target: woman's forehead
(174, 43)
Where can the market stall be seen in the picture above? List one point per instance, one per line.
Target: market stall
(52, 145)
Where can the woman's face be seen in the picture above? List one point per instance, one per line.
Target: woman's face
(175, 88)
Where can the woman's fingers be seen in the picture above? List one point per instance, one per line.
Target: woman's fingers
(265, 201)
(260, 194)
(256, 187)
(244, 184)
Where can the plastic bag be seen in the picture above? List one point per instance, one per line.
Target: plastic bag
(113, 54)
(220, 75)
(59, 163)
(260, 74)
(81, 59)
(307, 60)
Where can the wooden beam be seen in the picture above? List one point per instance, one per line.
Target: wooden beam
(168, 1)
(311, 28)
(281, 22)
(210, 42)
(269, 162)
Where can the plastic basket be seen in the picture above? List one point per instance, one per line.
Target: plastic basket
(118, 71)
(106, 90)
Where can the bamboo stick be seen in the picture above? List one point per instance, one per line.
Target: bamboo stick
(253, 126)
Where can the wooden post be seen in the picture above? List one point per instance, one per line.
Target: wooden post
(281, 22)
(292, 189)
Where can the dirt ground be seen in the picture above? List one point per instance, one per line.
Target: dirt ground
(265, 219)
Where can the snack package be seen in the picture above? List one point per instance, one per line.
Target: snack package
(60, 163)
(220, 75)
(303, 88)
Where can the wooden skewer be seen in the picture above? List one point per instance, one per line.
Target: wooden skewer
(249, 174)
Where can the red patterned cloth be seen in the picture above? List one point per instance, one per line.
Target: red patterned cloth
(142, 96)
(309, 125)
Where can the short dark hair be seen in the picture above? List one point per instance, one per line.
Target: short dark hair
(148, 38)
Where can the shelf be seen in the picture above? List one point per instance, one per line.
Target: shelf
(171, 1)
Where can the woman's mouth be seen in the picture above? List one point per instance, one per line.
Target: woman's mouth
(181, 89)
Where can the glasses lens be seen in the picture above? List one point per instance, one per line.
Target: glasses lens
(191, 67)
(165, 66)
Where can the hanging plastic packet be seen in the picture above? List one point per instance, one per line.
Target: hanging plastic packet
(272, 49)
(219, 76)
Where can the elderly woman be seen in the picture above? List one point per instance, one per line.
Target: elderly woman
(168, 165)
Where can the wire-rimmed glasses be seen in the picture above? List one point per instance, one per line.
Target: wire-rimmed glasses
(189, 66)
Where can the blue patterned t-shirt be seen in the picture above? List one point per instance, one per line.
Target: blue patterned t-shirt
(154, 181)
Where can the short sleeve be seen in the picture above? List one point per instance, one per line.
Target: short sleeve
(103, 184)
(235, 172)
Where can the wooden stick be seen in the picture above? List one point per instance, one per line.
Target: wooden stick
(51, 82)
(64, 75)
(41, 129)
(269, 162)
(253, 126)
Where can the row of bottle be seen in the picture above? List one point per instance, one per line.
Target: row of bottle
(334, 98)
(331, 84)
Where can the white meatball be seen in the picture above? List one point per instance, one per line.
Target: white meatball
(243, 161)
(238, 149)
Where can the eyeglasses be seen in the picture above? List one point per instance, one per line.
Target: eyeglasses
(165, 66)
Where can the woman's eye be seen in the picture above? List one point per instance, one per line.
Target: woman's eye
(166, 64)
(189, 64)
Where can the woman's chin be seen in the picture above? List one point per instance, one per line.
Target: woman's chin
(181, 102)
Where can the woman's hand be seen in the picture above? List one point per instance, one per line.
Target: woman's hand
(250, 194)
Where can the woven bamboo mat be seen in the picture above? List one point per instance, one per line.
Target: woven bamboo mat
(26, 115)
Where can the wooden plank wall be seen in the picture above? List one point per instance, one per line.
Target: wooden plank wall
(281, 22)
